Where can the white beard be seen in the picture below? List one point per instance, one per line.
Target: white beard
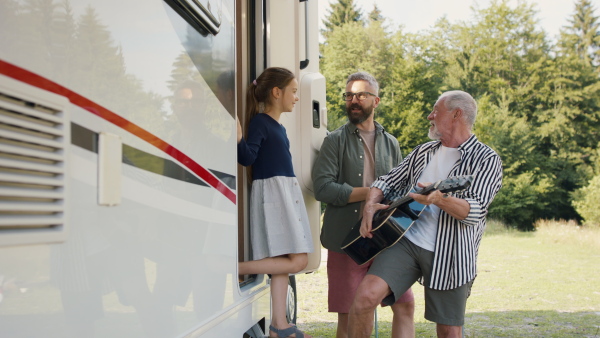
(434, 134)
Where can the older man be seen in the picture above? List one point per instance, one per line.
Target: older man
(440, 249)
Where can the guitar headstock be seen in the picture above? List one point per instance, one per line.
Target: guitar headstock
(454, 183)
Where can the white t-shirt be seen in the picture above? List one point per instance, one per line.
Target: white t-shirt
(424, 231)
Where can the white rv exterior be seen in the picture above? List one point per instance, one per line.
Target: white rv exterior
(122, 207)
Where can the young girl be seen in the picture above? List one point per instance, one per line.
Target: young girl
(279, 226)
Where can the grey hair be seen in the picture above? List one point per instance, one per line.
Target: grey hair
(463, 100)
(364, 76)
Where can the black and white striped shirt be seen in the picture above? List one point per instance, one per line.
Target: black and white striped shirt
(457, 242)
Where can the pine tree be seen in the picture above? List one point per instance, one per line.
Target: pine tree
(183, 70)
(583, 31)
(100, 60)
(375, 15)
(63, 45)
(344, 11)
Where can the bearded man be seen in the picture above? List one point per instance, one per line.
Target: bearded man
(350, 160)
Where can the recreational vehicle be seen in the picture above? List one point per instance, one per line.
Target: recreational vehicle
(123, 211)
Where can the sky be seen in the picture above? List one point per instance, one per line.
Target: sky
(417, 15)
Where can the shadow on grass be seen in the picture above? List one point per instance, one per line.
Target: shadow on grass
(522, 324)
(551, 324)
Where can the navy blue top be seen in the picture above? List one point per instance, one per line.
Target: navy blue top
(267, 149)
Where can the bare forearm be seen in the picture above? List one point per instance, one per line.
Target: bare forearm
(375, 195)
(453, 206)
(358, 194)
(371, 207)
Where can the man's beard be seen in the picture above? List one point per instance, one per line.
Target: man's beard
(361, 117)
(434, 134)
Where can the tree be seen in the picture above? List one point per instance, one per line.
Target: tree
(582, 34)
(350, 48)
(503, 57)
(99, 58)
(586, 201)
(413, 83)
(569, 111)
(539, 103)
(526, 185)
(183, 70)
(340, 13)
(99, 71)
(375, 14)
(498, 54)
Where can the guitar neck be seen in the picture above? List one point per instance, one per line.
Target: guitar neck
(399, 202)
(407, 199)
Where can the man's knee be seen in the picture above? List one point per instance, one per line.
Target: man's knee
(448, 331)
(370, 292)
(404, 309)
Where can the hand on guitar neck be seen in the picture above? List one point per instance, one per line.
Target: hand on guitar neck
(384, 224)
(430, 193)
(455, 207)
(373, 206)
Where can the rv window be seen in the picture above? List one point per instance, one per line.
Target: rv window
(213, 59)
(203, 15)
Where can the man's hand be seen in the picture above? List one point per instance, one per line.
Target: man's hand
(367, 219)
(455, 207)
(431, 198)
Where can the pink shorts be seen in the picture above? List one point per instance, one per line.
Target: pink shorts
(344, 276)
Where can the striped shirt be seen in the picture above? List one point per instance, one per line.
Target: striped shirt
(457, 241)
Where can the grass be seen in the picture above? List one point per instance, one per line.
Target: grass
(544, 283)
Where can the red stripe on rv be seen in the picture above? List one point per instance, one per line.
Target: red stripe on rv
(35, 80)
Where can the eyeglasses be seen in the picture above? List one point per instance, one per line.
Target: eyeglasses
(360, 95)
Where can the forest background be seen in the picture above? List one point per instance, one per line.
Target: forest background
(538, 97)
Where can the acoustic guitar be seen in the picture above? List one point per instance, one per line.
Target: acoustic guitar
(390, 225)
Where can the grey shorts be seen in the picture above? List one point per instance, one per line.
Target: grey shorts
(402, 265)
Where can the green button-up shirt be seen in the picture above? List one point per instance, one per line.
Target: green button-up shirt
(338, 168)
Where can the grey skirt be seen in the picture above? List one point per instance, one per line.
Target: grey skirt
(278, 219)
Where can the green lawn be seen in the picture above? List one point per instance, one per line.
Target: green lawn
(540, 284)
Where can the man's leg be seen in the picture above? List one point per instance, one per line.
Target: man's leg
(342, 326)
(370, 293)
(448, 331)
(403, 323)
(392, 274)
(447, 309)
(344, 276)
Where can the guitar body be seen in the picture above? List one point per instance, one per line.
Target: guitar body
(394, 223)
(390, 225)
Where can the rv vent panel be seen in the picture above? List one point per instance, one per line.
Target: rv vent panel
(33, 136)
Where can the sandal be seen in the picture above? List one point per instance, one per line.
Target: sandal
(281, 333)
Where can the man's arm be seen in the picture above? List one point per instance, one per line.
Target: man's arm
(358, 194)
(477, 198)
(481, 193)
(325, 173)
(372, 205)
(388, 183)
(454, 206)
